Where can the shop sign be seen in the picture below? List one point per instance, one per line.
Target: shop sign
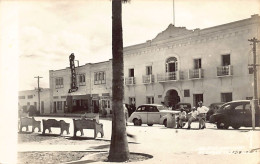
(74, 87)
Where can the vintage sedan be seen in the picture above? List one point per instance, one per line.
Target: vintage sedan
(235, 114)
(213, 109)
(151, 114)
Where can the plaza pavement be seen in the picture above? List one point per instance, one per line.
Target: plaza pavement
(180, 146)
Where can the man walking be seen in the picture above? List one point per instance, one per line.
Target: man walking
(202, 111)
(193, 117)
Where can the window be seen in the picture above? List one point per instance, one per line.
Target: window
(227, 107)
(197, 63)
(250, 70)
(30, 96)
(141, 109)
(149, 70)
(226, 97)
(131, 72)
(186, 93)
(21, 97)
(226, 60)
(150, 100)
(59, 105)
(239, 108)
(59, 82)
(82, 80)
(152, 109)
(99, 78)
(248, 108)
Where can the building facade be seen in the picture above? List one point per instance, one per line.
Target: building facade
(94, 83)
(30, 97)
(178, 65)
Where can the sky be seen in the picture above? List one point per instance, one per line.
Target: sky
(42, 34)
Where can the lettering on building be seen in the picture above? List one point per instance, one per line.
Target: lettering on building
(73, 87)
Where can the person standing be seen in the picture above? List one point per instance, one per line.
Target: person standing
(202, 111)
(193, 117)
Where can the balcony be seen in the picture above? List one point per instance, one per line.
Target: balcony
(148, 79)
(196, 73)
(224, 71)
(170, 76)
(129, 80)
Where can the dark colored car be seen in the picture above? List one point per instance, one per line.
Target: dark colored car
(186, 106)
(213, 108)
(235, 114)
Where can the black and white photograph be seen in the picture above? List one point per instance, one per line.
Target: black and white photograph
(130, 81)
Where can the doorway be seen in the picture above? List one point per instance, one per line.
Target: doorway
(171, 98)
(196, 99)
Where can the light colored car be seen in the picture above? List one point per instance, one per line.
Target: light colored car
(151, 114)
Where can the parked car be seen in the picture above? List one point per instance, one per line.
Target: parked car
(151, 114)
(186, 106)
(235, 114)
(213, 108)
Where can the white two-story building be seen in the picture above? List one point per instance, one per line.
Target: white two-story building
(181, 65)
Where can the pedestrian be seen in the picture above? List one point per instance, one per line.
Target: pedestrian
(193, 117)
(181, 118)
(202, 111)
(126, 113)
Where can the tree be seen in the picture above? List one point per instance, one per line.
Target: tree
(119, 150)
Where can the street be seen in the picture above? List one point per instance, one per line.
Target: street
(166, 145)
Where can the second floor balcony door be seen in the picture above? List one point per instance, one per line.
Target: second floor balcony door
(172, 68)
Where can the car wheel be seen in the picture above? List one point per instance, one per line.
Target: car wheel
(222, 125)
(150, 124)
(140, 122)
(236, 126)
(165, 122)
(136, 122)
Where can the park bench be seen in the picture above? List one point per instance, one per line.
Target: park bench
(81, 124)
(48, 124)
(29, 121)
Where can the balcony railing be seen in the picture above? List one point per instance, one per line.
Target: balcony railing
(170, 76)
(224, 71)
(148, 79)
(129, 80)
(196, 73)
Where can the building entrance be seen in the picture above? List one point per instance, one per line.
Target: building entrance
(171, 98)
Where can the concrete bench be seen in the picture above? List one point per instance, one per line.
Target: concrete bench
(81, 124)
(29, 121)
(48, 124)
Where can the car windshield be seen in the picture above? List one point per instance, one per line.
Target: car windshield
(161, 107)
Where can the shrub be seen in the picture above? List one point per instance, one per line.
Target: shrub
(33, 111)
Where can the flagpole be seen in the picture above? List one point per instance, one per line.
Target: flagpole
(173, 13)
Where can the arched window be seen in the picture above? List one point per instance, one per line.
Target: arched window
(171, 64)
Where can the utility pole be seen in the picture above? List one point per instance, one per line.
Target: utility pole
(254, 102)
(38, 90)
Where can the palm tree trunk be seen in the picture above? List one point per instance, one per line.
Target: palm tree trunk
(119, 150)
